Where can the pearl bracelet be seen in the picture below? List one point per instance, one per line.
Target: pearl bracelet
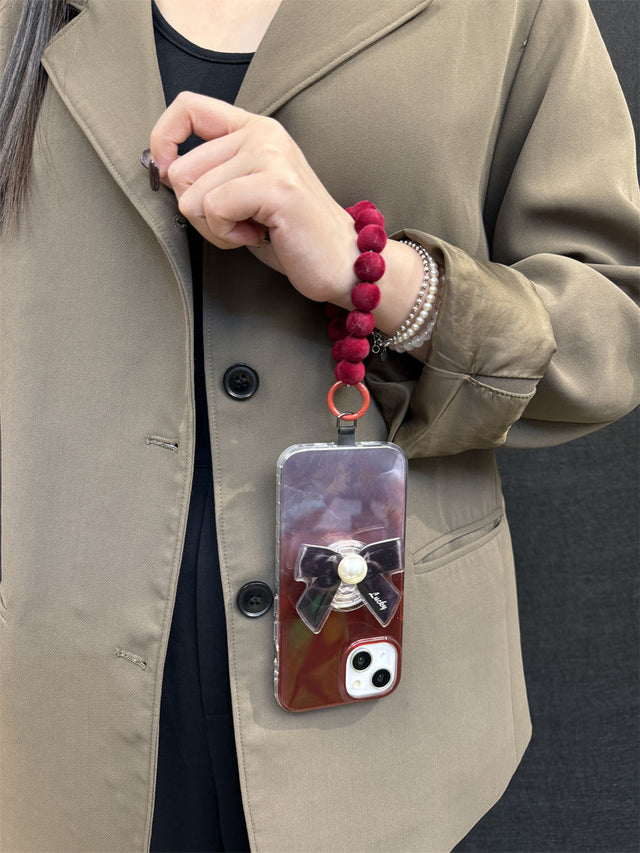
(418, 327)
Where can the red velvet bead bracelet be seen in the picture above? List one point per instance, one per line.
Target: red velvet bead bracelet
(349, 329)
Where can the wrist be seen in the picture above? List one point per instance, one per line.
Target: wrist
(399, 286)
(344, 278)
(395, 298)
(414, 333)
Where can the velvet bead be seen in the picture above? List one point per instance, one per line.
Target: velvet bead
(355, 209)
(360, 323)
(365, 296)
(368, 217)
(337, 328)
(349, 330)
(354, 349)
(337, 350)
(369, 266)
(349, 373)
(334, 312)
(372, 238)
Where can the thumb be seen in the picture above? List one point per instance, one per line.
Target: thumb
(190, 113)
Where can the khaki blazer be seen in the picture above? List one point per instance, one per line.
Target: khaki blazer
(493, 132)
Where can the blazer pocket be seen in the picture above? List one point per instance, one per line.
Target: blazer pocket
(449, 546)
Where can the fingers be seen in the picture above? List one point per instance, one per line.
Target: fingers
(187, 170)
(223, 160)
(231, 214)
(190, 113)
(229, 211)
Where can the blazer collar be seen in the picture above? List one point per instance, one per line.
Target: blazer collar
(103, 65)
(308, 38)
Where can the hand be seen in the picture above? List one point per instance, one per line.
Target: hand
(248, 176)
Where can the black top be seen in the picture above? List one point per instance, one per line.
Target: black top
(186, 66)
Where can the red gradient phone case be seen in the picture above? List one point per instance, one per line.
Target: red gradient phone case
(340, 571)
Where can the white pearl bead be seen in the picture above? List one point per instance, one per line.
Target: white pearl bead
(352, 568)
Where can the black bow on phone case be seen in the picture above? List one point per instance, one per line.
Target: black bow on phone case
(324, 569)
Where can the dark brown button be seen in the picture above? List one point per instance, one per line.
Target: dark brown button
(149, 163)
(254, 599)
(240, 381)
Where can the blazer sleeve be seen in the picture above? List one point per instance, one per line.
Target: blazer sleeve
(540, 344)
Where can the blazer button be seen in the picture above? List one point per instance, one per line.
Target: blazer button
(254, 599)
(240, 381)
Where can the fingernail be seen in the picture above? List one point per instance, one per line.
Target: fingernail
(154, 173)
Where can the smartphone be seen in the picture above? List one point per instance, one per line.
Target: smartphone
(340, 572)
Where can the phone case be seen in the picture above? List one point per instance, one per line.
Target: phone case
(340, 564)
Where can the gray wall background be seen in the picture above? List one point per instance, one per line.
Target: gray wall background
(574, 514)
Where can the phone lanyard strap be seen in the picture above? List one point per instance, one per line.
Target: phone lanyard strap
(349, 330)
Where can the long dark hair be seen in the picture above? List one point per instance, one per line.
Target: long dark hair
(21, 91)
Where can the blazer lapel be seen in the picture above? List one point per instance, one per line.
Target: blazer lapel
(307, 38)
(103, 65)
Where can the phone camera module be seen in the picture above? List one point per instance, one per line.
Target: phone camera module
(361, 661)
(371, 669)
(381, 678)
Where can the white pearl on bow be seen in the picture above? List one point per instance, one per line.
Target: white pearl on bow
(352, 568)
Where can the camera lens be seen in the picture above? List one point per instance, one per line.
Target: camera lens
(361, 660)
(381, 678)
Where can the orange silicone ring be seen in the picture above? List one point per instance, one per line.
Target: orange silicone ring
(352, 416)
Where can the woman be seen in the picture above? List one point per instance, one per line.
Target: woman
(503, 149)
